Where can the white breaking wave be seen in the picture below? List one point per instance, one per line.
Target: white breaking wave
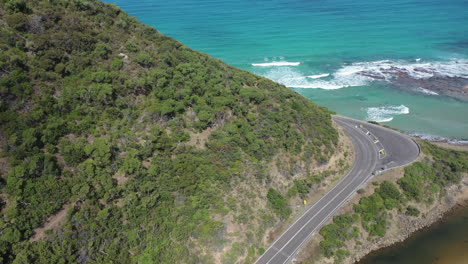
(382, 120)
(426, 91)
(362, 73)
(387, 70)
(318, 76)
(276, 64)
(291, 77)
(385, 113)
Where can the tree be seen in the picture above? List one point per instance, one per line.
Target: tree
(102, 50)
(144, 59)
(17, 21)
(279, 203)
(100, 151)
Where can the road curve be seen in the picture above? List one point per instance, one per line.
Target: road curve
(376, 149)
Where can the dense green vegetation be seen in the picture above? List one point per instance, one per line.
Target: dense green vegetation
(423, 182)
(337, 233)
(97, 112)
(279, 203)
(302, 187)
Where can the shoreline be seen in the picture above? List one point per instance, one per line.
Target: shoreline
(422, 224)
(457, 144)
(452, 212)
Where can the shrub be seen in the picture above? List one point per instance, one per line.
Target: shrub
(17, 6)
(131, 45)
(279, 203)
(252, 95)
(102, 50)
(336, 233)
(116, 64)
(206, 118)
(17, 21)
(412, 211)
(144, 59)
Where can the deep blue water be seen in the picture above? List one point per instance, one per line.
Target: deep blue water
(332, 41)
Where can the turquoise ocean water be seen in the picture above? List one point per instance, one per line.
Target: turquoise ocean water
(319, 48)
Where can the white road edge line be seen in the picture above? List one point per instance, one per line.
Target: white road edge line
(326, 218)
(313, 217)
(307, 211)
(310, 208)
(331, 200)
(346, 199)
(367, 178)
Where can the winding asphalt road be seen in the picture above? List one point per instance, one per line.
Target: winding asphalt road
(376, 149)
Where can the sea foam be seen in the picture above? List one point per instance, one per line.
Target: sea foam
(426, 91)
(385, 113)
(276, 64)
(387, 69)
(293, 78)
(434, 138)
(363, 73)
(318, 76)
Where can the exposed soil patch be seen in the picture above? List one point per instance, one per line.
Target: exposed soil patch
(4, 165)
(120, 177)
(52, 222)
(198, 140)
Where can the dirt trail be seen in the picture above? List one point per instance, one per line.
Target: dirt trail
(52, 222)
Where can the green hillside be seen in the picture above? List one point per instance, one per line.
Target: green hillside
(142, 140)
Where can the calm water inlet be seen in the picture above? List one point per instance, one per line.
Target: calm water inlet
(444, 243)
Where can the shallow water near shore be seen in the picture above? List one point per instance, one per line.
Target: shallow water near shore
(445, 242)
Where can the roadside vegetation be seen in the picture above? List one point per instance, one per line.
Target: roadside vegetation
(424, 182)
(101, 112)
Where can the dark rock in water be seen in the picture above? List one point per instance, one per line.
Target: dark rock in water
(395, 72)
(372, 75)
(360, 98)
(422, 70)
(456, 87)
